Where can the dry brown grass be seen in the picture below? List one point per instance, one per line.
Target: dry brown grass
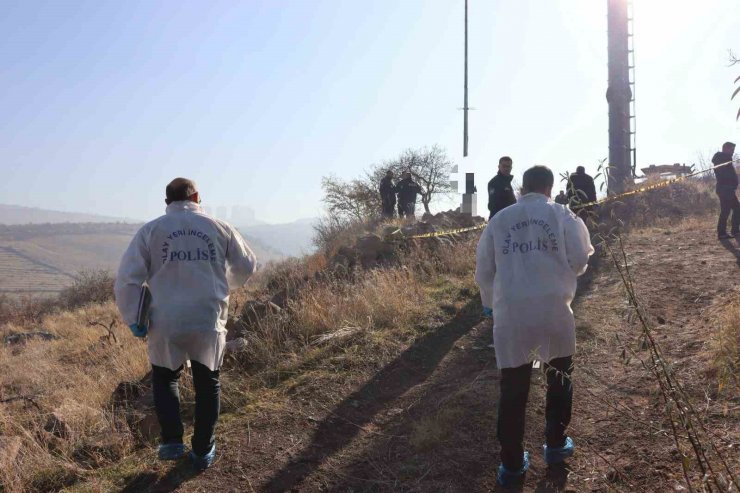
(726, 347)
(664, 206)
(331, 310)
(72, 377)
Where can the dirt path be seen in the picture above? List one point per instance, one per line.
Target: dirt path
(426, 421)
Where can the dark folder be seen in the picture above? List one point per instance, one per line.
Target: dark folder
(145, 301)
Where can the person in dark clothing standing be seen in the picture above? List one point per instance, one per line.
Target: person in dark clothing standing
(726, 186)
(561, 198)
(581, 190)
(500, 191)
(407, 190)
(581, 187)
(388, 194)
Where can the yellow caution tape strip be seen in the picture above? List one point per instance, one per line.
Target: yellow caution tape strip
(449, 232)
(612, 198)
(647, 188)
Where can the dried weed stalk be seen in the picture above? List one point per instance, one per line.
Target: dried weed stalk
(715, 472)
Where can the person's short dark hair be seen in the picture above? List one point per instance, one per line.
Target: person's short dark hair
(537, 179)
(504, 159)
(727, 145)
(180, 189)
(581, 170)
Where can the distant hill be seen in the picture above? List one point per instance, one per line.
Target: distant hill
(15, 214)
(291, 239)
(44, 258)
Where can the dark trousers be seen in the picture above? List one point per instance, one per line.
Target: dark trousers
(207, 405)
(728, 203)
(513, 406)
(406, 209)
(388, 208)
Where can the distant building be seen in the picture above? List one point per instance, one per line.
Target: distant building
(222, 212)
(242, 215)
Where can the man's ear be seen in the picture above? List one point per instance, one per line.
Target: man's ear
(195, 197)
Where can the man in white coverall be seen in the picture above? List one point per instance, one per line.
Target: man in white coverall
(528, 259)
(189, 261)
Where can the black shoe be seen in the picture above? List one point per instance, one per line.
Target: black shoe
(724, 236)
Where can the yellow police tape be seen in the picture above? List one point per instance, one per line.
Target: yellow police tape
(647, 188)
(611, 198)
(448, 232)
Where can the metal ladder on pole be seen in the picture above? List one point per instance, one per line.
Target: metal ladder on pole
(633, 118)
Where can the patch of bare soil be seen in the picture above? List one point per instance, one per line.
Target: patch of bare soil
(426, 421)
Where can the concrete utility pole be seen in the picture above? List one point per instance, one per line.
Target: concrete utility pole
(619, 96)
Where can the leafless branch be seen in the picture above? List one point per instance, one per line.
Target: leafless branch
(109, 328)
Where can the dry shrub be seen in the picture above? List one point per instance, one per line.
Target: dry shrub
(727, 346)
(663, 206)
(343, 308)
(25, 310)
(331, 233)
(90, 287)
(67, 382)
(379, 299)
(94, 286)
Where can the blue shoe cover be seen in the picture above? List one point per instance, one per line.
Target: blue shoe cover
(171, 451)
(487, 312)
(203, 462)
(556, 455)
(508, 478)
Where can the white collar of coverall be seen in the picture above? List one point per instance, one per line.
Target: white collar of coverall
(183, 205)
(534, 196)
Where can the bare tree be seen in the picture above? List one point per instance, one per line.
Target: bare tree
(356, 200)
(429, 166)
(359, 200)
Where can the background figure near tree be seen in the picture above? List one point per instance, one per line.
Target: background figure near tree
(407, 190)
(388, 194)
(581, 190)
(500, 190)
(726, 191)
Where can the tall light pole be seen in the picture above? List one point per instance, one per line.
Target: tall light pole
(465, 90)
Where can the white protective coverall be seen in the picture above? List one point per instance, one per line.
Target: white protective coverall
(528, 259)
(190, 261)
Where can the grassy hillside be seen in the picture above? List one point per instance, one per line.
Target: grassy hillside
(15, 214)
(45, 258)
(381, 378)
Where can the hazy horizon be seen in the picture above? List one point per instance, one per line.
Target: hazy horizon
(104, 102)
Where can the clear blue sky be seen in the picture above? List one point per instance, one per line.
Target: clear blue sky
(103, 102)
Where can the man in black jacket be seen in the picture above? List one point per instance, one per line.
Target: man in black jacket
(407, 190)
(500, 191)
(581, 187)
(581, 190)
(388, 194)
(561, 198)
(726, 187)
